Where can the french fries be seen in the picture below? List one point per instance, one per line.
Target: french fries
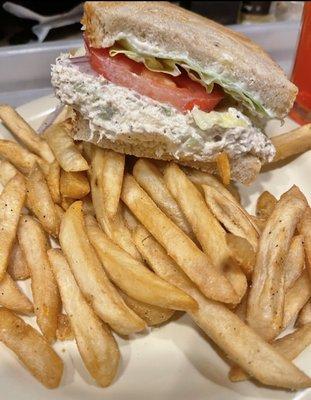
(265, 205)
(91, 277)
(7, 171)
(296, 297)
(52, 180)
(151, 180)
(305, 230)
(13, 298)
(242, 251)
(294, 262)
(291, 143)
(266, 296)
(63, 331)
(47, 305)
(208, 231)
(24, 133)
(131, 276)
(40, 201)
(66, 203)
(304, 316)
(230, 213)
(31, 349)
(178, 245)
(64, 148)
(153, 315)
(11, 203)
(18, 268)
(98, 349)
(240, 343)
(290, 346)
(223, 167)
(74, 185)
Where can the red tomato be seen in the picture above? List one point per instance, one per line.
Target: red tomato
(180, 92)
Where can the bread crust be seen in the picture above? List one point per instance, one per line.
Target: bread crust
(173, 29)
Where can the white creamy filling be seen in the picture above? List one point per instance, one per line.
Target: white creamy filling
(120, 114)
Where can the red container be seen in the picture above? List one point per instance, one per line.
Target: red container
(301, 75)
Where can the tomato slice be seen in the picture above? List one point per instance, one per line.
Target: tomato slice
(181, 92)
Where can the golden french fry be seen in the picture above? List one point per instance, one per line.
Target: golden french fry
(11, 203)
(242, 251)
(59, 211)
(66, 202)
(250, 351)
(13, 298)
(265, 205)
(52, 179)
(25, 133)
(266, 296)
(40, 201)
(63, 331)
(64, 148)
(130, 220)
(133, 277)
(294, 262)
(153, 315)
(208, 231)
(31, 349)
(91, 277)
(7, 171)
(74, 185)
(151, 180)
(230, 213)
(47, 304)
(97, 347)
(304, 316)
(223, 167)
(178, 245)
(291, 143)
(296, 297)
(115, 228)
(18, 268)
(241, 309)
(290, 346)
(305, 230)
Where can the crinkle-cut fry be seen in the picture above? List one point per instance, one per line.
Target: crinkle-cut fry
(265, 205)
(13, 298)
(304, 316)
(241, 344)
(183, 250)
(230, 213)
(223, 166)
(25, 133)
(267, 293)
(18, 268)
(294, 262)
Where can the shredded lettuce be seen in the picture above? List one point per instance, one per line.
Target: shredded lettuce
(171, 67)
(226, 119)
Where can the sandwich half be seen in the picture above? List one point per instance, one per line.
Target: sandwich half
(161, 82)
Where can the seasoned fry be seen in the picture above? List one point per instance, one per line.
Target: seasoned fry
(305, 230)
(47, 305)
(31, 349)
(304, 316)
(265, 205)
(131, 276)
(11, 203)
(40, 201)
(296, 297)
(25, 133)
(229, 212)
(242, 251)
(208, 231)
(186, 254)
(151, 180)
(290, 346)
(98, 349)
(74, 185)
(52, 179)
(115, 229)
(63, 331)
(18, 268)
(13, 298)
(291, 143)
(223, 167)
(153, 315)
(294, 262)
(64, 149)
(91, 277)
(241, 344)
(266, 296)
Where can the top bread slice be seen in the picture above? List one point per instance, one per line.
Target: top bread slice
(176, 31)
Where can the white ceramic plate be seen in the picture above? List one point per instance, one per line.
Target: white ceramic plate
(175, 361)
